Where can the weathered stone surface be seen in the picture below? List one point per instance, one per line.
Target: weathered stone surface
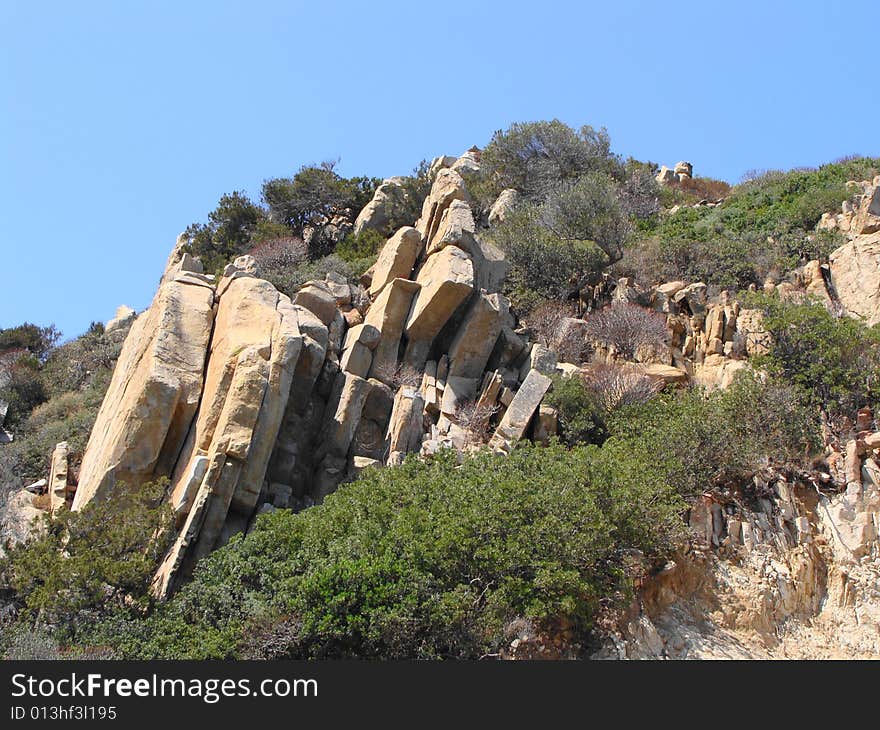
(254, 352)
(339, 287)
(246, 263)
(356, 360)
(667, 373)
(520, 411)
(457, 392)
(343, 413)
(717, 371)
(545, 424)
(396, 259)
(388, 315)
(153, 395)
(364, 334)
(855, 273)
(446, 280)
(503, 206)
(456, 228)
(448, 186)
(122, 317)
(475, 339)
(867, 218)
(405, 426)
(389, 198)
(540, 358)
(318, 299)
(58, 477)
(18, 519)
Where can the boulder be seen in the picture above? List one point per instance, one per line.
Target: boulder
(19, 519)
(456, 228)
(388, 315)
(389, 198)
(396, 259)
(58, 476)
(445, 281)
(405, 426)
(855, 274)
(475, 339)
(154, 392)
(317, 297)
(122, 317)
(448, 186)
(867, 218)
(503, 206)
(519, 413)
(343, 413)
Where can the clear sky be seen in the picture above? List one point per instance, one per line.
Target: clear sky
(122, 122)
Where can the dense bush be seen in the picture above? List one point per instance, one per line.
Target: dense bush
(542, 266)
(38, 341)
(227, 233)
(423, 560)
(764, 226)
(362, 246)
(312, 197)
(836, 360)
(92, 562)
(700, 441)
(533, 157)
(580, 416)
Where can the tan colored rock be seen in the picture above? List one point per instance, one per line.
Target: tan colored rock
(254, 353)
(246, 263)
(456, 228)
(540, 358)
(357, 360)
(665, 175)
(503, 206)
(122, 317)
(446, 280)
(339, 288)
(389, 198)
(155, 390)
(750, 329)
(448, 186)
(19, 519)
(58, 476)
(667, 373)
(343, 413)
(318, 299)
(476, 337)
(405, 426)
(364, 334)
(396, 259)
(717, 371)
(519, 413)
(867, 218)
(546, 424)
(388, 315)
(855, 274)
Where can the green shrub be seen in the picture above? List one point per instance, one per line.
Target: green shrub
(764, 226)
(699, 441)
(86, 564)
(581, 420)
(361, 246)
(423, 560)
(835, 360)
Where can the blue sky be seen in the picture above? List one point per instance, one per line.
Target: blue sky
(123, 122)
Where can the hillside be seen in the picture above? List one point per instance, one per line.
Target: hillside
(535, 401)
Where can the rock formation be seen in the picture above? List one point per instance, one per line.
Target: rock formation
(249, 401)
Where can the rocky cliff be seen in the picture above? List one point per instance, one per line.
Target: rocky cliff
(248, 400)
